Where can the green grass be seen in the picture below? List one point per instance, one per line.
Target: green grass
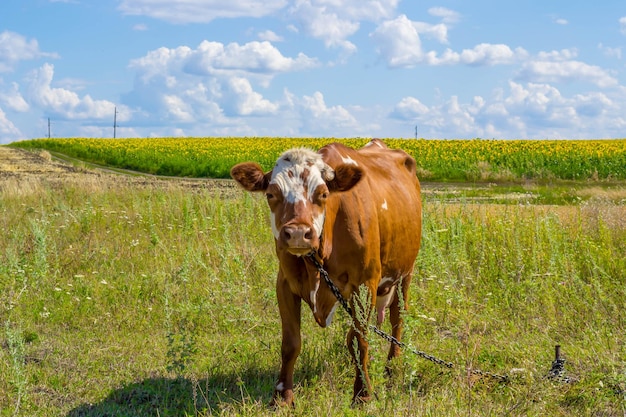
(159, 300)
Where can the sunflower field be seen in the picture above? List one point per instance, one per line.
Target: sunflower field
(437, 160)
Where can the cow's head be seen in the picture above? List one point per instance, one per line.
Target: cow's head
(297, 191)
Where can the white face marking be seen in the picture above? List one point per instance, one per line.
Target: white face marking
(318, 223)
(280, 387)
(275, 230)
(348, 160)
(384, 206)
(289, 171)
(329, 319)
(296, 184)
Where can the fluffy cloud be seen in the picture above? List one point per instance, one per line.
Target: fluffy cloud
(210, 84)
(199, 11)
(8, 131)
(611, 52)
(268, 35)
(317, 118)
(335, 21)
(15, 47)
(622, 25)
(61, 102)
(409, 108)
(13, 99)
(207, 85)
(559, 66)
(398, 42)
(526, 110)
(447, 16)
(244, 101)
(256, 59)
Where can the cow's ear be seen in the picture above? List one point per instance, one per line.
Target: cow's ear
(346, 177)
(250, 176)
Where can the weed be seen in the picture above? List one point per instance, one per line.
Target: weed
(17, 355)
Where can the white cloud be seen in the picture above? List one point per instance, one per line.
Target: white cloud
(561, 21)
(268, 35)
(161, 61)
(409, 108)
(622, 25)
(62, 102)
(179, 109)
(547, 71)
(318, 117)
(398, 42)
(199, 11)
(140, 27)
(447, 15)
(8, 131)
(15, 47)
(334, 21)
(13, 99)
(260, 59)
(326, 25)
(244, 101)
(490, 54)
(530, 110)
(210, 84)
(611, 52)
(559, 56)
(437, 32)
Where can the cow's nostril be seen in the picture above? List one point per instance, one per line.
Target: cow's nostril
(308, 235)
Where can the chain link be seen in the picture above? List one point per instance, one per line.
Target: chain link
(390, 338)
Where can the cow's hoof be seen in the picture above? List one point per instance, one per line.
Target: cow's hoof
(283, 399)
(360, 400)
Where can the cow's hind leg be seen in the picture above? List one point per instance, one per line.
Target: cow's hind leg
(396, 309)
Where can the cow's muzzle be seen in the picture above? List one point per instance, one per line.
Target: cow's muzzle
(299, 239)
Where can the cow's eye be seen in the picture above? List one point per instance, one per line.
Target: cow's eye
(269, 196)
(321, 197)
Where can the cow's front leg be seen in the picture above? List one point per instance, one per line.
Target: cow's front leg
(289, 306)
(358, 346)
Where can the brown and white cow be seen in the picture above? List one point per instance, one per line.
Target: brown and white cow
(360, 212)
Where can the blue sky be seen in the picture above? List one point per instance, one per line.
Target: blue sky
(322, 68)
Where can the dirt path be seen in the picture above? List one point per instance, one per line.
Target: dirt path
(24, 172)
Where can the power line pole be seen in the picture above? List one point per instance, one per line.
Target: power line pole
(115, 123)
(48, 128)
(415, 132)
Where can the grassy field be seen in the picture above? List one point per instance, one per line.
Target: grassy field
(156, 298)
(437, 160)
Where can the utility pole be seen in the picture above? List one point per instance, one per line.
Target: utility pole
(48, 128)
(415, 132)
(115, 123)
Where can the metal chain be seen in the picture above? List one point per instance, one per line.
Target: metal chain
(390, 338)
